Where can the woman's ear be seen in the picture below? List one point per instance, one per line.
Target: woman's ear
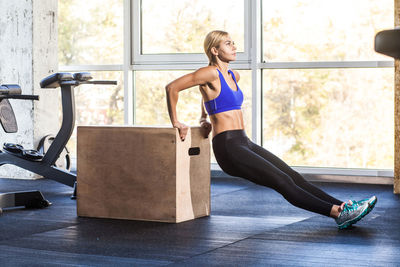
(214, 51)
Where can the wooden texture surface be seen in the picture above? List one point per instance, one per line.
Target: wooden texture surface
(142, 173)
(396, 182)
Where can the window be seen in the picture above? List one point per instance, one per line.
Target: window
(330, 117)
(316, 93)
(179, 26)
(313, 30)
(327, 101)
(173, 31)
(151, 104)
(89, 33)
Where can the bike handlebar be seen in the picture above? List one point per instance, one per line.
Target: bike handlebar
(99, 82)
(25, 97)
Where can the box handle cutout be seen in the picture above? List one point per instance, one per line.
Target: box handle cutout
(194, 151)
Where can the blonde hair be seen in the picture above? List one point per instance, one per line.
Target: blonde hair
(213, 39)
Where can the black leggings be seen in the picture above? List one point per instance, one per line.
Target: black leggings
(238, 156)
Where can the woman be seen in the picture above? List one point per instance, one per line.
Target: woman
(235, 153)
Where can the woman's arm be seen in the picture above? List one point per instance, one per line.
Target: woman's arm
(199, 77)
(204, 124)
(203, 116)
(237, 75)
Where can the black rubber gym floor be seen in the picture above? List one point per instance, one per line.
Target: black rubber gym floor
(249, 226)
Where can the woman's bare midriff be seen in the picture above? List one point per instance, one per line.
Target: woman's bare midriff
(228, 120)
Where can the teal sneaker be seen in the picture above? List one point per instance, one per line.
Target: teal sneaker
(351, 214)
(371, 202)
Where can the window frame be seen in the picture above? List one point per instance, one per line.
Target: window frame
(138, 59)
(250, 59)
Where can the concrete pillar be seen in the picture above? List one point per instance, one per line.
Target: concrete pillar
(28, 53)
(396, 186)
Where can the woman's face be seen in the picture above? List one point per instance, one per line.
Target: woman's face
(227, 49)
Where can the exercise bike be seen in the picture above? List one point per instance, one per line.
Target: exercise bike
(33, 160)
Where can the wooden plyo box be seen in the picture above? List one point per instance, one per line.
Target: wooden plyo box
(142, 173)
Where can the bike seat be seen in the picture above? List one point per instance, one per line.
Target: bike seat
(82, 76)
(53, 81)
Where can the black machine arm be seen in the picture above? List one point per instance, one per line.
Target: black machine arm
(23, 97)
(387, 42)
(13, 91)
(100, 82)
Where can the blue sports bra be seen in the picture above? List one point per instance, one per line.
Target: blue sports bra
(227, 99)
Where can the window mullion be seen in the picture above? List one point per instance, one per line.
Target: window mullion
(254, 40)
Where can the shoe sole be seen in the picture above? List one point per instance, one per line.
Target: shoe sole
(362, 215)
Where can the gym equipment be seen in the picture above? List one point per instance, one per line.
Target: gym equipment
(29, 199)
(387, 42)
(64, 161)
(150, 174)
(35, 161)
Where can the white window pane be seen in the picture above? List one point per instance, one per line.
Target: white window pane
(180, 26)
(90, 32)
(315, 30)
(151, 103)
(330, 118)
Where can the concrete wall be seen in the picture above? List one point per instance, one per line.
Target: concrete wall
(28, 53)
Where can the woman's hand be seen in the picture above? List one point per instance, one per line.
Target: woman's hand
(205, 128)
(183, 130)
